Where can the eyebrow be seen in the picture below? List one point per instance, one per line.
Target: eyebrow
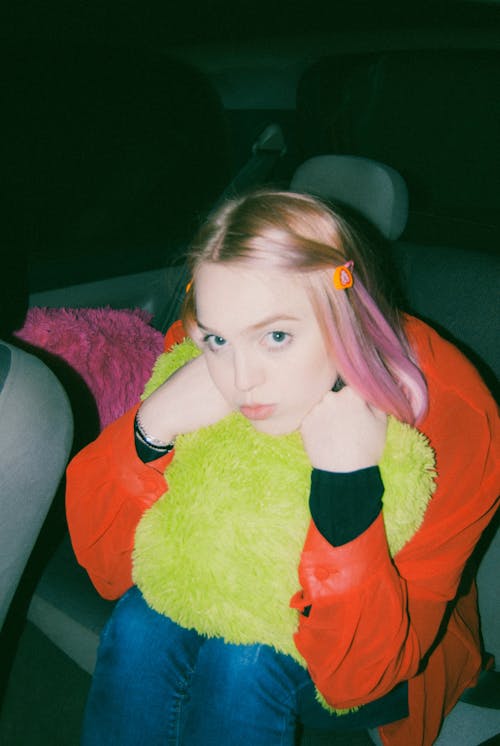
(269, 320)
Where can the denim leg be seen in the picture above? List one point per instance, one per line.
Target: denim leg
(251, 695)
(145, 662)
(243, 695)
(158, 684)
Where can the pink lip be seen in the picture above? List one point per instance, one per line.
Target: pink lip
(258, 411)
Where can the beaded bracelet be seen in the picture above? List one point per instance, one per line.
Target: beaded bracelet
(157, 445)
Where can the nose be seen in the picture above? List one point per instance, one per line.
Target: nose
(248, 371)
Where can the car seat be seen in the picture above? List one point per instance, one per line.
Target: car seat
(109, 156)
(36, 434)
(431, 114)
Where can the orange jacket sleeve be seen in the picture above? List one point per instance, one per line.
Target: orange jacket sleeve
(373, 619)
(108, 488)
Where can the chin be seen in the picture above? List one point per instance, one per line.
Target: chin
(275, 428)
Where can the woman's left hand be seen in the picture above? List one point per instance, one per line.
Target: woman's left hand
(343, 433)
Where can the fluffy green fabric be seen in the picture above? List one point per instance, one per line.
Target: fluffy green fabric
(219, 551)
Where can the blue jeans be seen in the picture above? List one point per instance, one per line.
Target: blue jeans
(158, 683)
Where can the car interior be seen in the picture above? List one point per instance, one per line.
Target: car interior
(122, 130)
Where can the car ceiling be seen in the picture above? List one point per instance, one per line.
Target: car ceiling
(192, 21)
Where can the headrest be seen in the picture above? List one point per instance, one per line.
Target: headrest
(375, 190)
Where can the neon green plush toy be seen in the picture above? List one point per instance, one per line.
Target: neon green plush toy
(219, 551)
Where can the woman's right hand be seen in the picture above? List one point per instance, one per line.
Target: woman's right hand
(187, 401)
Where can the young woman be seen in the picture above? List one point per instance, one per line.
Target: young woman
(335, 464)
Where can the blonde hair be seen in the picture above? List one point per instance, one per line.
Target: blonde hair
(299, 233)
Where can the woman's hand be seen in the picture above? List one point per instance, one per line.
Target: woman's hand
(187, 401)
(343, 433)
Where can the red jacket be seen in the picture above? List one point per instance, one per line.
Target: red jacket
(373, 619)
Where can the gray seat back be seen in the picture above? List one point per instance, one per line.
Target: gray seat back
(375, 190)
(36, 434)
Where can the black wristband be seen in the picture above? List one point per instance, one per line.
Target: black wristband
(344, 505)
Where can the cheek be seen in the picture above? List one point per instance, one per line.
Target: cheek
(316, 379)
(220, 373)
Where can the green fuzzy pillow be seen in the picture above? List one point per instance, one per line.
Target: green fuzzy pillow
(219, 551)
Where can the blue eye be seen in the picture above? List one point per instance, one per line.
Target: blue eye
(277, 339)
(214, 342)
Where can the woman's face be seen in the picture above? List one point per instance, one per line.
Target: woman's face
(263, 344)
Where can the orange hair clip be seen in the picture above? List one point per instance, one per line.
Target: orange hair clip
(342, 276)
(189, 286)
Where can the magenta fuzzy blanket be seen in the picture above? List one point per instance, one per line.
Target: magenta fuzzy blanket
(112, 350)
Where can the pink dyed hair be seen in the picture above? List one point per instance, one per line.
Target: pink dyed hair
(297, 232)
